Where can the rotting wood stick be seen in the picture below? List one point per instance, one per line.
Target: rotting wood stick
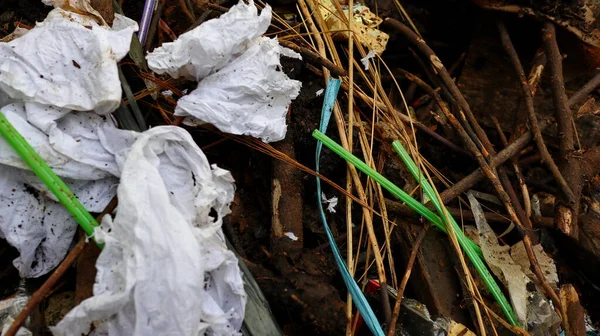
(40, 294)
(314, 57)
(575, 312)
(286, 201)
(533, 122)
(402, 287)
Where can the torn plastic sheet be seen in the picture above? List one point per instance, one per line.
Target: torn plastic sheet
(547, 265)
(242, 89)
(31, 219)
(500, 262)
(165, 268)
(68, 60)
(532, 308)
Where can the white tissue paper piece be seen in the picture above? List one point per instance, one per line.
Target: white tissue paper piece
(331, 202)
(211, 46)
(242, 89)
(31, 219)
(68, 60)
(165, 268)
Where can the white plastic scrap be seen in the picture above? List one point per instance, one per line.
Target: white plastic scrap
(365, 60)
(165, 269)
(319, 92)
(331, 202)
(68, 60)
(241, 89)
(291, 235)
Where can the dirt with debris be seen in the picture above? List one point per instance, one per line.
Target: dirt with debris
(300, 278)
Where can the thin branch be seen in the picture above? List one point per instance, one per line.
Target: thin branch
(439, 68)
(40, 294)
(533, 122)
(564, 117)
(582, 93)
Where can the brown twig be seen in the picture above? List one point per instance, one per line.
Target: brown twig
(508, 46)
(86, 261)
(566, 214)
(402, 287)
(564, 118)
(40, 294)
(477, 176)
(314, 57)
(439, 68)
(582, 93)
(508, 202)
(533, 122)
(515, 163)
(405, 211)
(184, 7)
(204, 16)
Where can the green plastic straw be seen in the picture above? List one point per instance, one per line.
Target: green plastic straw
(466, 244)
(392, 188)
(475, 259)
(50, 179)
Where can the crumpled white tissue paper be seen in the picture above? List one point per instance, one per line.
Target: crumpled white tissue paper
(68, 60)
(241, 89)
(165, 268)
(211, 46)
(31, 219)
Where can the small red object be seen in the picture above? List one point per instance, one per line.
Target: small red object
(372, 288)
